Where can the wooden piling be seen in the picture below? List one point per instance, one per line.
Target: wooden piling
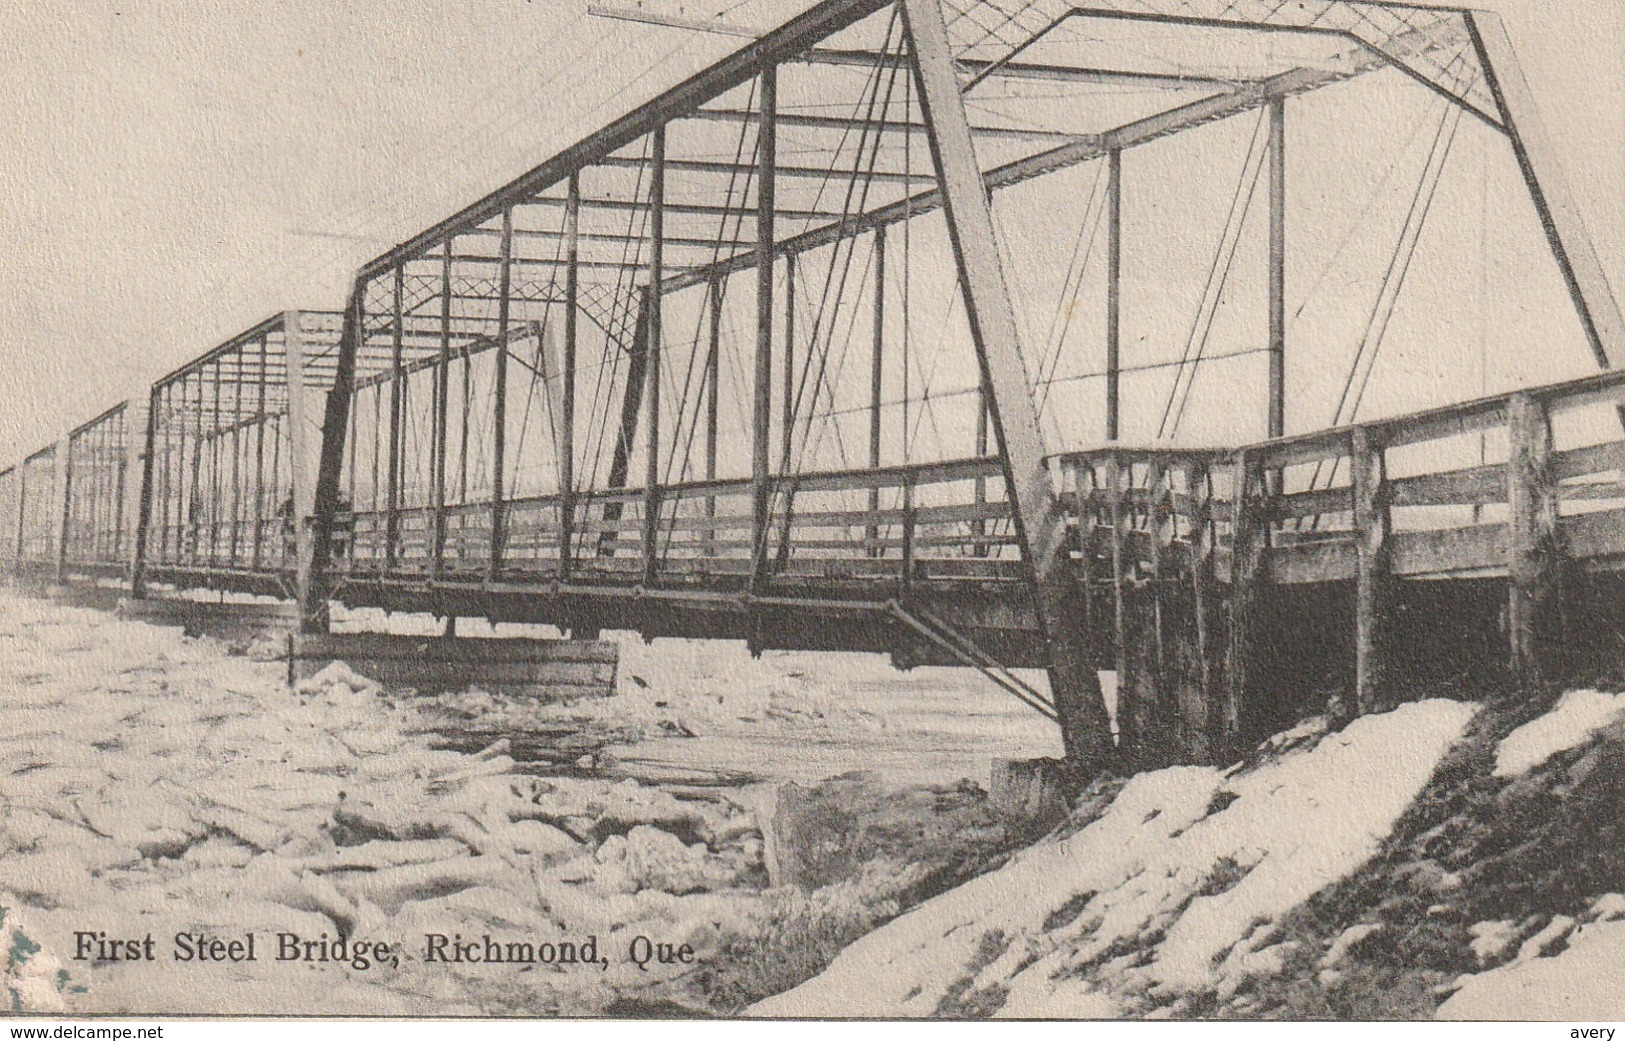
(1534, 551)
(1249, 541)
(1373, 596)
(1201, 710)
(1154, 673)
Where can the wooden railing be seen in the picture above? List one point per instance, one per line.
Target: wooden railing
(256, 544)
(1518, 487)
(891, 522)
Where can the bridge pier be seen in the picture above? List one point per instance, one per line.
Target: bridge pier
(1151, 582)
(554, 668)
(234, 623)
(1324, 607)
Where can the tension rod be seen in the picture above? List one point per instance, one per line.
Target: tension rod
(1028, 696)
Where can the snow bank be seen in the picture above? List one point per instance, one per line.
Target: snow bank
(30, 979)
(1175, 889)
(906, 967)
(1577, 715)
(1584, 982)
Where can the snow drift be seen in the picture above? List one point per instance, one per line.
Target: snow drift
(1176, 888)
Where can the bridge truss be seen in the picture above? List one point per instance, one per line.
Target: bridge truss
(803, 350)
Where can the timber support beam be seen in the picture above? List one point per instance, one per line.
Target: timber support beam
(1374, 584)
(1534, 544)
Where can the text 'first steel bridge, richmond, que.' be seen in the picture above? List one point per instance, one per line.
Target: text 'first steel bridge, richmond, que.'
(1255, 350)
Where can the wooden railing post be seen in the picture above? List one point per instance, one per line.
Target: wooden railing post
(1534, 550)
(1373, 595)
(782, 553)
(1249, 542)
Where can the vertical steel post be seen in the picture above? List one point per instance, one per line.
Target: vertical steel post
(175, 473)
(1114, 293)
(877, 372)
(1040, 523)
(397, 381)
(979, 486)
(567, 424)
(375, 467)
(236, 466)
(442, 395)
(260, 421)
(22, 510)
(631, 405)
(123, 547)
(766, 253)
(64, 469)
(301, 455)
(462, 447)
(712, 381)
(653, 306)
(499, 406)
(317, 582)
(194, 510)
(1277, 273)
(160, 400)
(213, 498)
(788, 406)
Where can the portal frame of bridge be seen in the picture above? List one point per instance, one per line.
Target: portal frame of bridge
(227, 462)
(99, 512)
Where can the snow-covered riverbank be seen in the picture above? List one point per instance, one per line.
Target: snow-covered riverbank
(1443, 858)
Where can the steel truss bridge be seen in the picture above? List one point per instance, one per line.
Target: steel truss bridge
(766, 358)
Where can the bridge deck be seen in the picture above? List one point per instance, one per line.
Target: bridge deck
(1440, 493)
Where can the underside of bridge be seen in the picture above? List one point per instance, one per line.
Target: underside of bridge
(1072, 334)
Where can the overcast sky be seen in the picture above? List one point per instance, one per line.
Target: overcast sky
(173, 172)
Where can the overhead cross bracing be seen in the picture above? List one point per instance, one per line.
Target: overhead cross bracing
(806, 349)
